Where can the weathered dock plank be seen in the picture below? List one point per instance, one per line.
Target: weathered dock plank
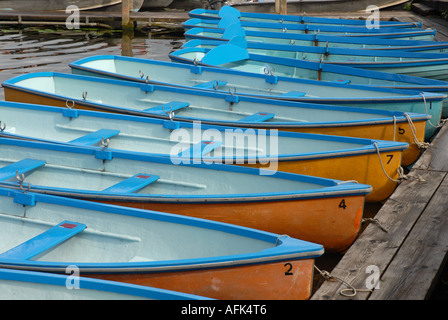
(414, 271)
(408, 257)
(173, 19)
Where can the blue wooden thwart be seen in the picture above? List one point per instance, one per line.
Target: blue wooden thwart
(167, 107)
(95, 137)
(258, 117)
(44, 241)
(293, 94)
(200, 149)
(132, 184)
(19, 167)
(215, 84)
(342, 81)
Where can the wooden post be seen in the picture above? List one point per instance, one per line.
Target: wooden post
(280, 7)
(126, 6)
(283, 9)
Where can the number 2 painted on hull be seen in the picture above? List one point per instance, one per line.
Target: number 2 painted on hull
(288, 272)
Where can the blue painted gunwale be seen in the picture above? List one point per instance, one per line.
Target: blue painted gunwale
(217, 14)
(290, 28)
(369, 148)
(427, 85)
(324, 67)
(418, 58)
(95, 284)
(382, 43)
(331, 187)
(381, 113)
(421, 59)
(286, 248)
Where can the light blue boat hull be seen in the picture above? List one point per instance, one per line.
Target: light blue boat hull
(226, 80)
(427, 65)
(304, 70)
(318, 40)
(205, 106)
(33, 285)
(278, 18)
(292, 29)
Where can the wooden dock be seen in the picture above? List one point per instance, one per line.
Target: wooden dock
(402, 256)
(171, 20)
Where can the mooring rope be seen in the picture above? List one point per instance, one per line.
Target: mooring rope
(376, 222)
(353, 291)
(400, 170)
(421, 145)
(426, 110)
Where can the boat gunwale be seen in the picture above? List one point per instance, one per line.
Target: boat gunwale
(316, 66)
(408, 94)
(324, 38)
(337, 29)
(216, 14)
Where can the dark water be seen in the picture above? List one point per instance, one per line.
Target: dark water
(40, 50)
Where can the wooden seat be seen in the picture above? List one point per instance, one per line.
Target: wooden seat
(44, 241)
(132, 184)
(167, 107)
(293, 94)
(200, 149)
(95, 137)
(214, 84)
(258, 117)
(20, 167)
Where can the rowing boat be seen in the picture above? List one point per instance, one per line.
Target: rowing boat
(428, 65)
(301, 206)
(321, 40)
(262, 85)
(234, 57)
(318, 6)
(285, 18)
(290, 29)
(377, 162)
(226, 109)
(33, 285)
(154, 249)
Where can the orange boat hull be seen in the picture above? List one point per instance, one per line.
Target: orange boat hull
(403, 132)
(365, 169)
(282, 280)
(333, 222)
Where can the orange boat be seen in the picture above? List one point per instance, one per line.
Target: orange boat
(214, 108)
(160, 250)
(325, 211)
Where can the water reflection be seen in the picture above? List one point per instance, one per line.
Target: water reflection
(25, 51)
